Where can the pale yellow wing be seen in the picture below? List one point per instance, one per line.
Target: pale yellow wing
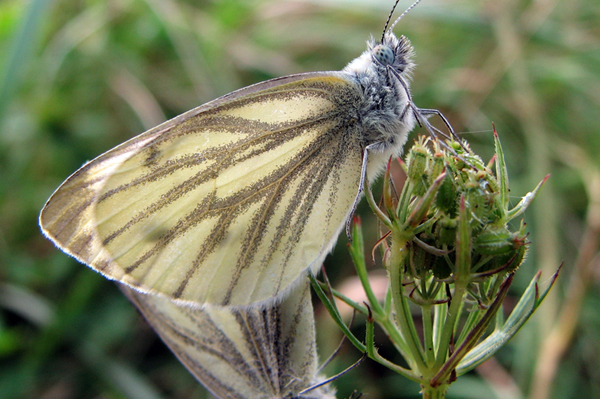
(242, 353)
(226, 204)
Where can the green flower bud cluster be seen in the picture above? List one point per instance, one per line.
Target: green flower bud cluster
(454, 176)
(451, 251)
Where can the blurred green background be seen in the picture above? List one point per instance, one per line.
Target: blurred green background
(79, 77)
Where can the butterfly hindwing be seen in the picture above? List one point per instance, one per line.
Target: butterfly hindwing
(242, 353)
(226, 204)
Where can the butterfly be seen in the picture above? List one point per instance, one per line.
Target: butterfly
(229, 203)
(242, 353)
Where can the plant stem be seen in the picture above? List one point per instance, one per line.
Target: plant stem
(430, 392)
(403, 316)
(453, 312)
(428, 334)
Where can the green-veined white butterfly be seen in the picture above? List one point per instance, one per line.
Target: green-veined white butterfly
(242, 353)
(230, 202)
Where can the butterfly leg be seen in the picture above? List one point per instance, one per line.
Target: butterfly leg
(361, 186)
(428, 112)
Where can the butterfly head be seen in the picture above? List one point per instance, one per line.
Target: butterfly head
(392, 55)
(392, 52)
(382, 76)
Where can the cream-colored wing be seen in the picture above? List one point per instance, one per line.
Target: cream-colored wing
(226, 204)
(242, 353)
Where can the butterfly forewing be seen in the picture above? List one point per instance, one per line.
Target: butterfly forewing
(242, 353)
(214, 206)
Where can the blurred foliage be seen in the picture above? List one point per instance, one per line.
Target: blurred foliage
(79, 77)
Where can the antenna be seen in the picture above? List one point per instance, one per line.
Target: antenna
(389, 19)
(399, 18)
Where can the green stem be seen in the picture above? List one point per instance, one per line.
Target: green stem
(428, 334)
(358, 257)
(335, 315)
(430, 392)
(460, 289)
(384, 322)
(395, 336)
(382, 216)
(440, 313)
(462, 275)
(403, 316)
(373, 354)
(472, 338)
(471, 321)
(379, 313)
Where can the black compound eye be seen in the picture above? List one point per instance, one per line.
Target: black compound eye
(383, 54)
